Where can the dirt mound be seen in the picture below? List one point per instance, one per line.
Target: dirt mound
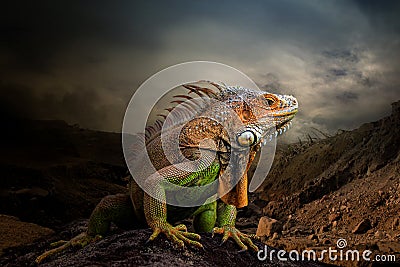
(346, 186)
(13, 232)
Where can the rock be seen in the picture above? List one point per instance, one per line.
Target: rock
(268, 226)
(32, 192)
(13, 232)
(334, 224)
(334, 217)
(312, 237)
(275, 236)
(323, 229)
(128, 248)
(326, 242)
(396, 224)
(325, 197)
(362, 227)
(285, 232)
(343, 208)
(379, 234)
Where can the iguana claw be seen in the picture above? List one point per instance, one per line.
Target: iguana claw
(239, 237)
(177, 234)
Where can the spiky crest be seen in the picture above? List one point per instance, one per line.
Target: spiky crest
(184, 106)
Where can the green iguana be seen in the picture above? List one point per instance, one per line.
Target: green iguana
(259, 117)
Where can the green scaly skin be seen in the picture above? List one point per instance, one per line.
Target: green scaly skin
(138, 209)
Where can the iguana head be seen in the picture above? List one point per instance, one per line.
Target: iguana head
(264, 115)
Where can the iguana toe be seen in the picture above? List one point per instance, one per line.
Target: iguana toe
(58, 243)
(80, 240)
(177, 234)
(240, 238)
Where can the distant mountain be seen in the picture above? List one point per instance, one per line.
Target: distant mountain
(305, 172)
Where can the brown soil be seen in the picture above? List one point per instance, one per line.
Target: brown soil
(14, 233)
(321, 191)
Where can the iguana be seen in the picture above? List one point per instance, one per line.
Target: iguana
(259, 117)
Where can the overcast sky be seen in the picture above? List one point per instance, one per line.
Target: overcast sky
(82, 62)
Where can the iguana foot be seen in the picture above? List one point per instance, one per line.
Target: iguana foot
(177, 234)
(239, 237)
(80, 240)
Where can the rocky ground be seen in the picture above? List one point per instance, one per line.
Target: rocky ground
(128, 248)
(344, 186)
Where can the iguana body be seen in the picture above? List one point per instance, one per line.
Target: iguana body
(258, 116)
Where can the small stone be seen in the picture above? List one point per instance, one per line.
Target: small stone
(325, 197)
(334, 217)
(285, 232)
(275, 236)
(312, 237)
(362, 227)
(379, 234)
(396, 224)
(323, 229)
(334, 224)
(267, 226)
(326, 242)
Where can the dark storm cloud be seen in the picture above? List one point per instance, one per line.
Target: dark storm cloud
(347, 96)
(36, 33)
(81, 61)
(384, 14)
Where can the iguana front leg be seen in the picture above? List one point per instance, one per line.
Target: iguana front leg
(156, 217)
(155, 209)
(226, 218)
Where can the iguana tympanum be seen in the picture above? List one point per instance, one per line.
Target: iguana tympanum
(260, 115)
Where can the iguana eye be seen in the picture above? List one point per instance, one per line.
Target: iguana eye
(270, 101)
(247, 138)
